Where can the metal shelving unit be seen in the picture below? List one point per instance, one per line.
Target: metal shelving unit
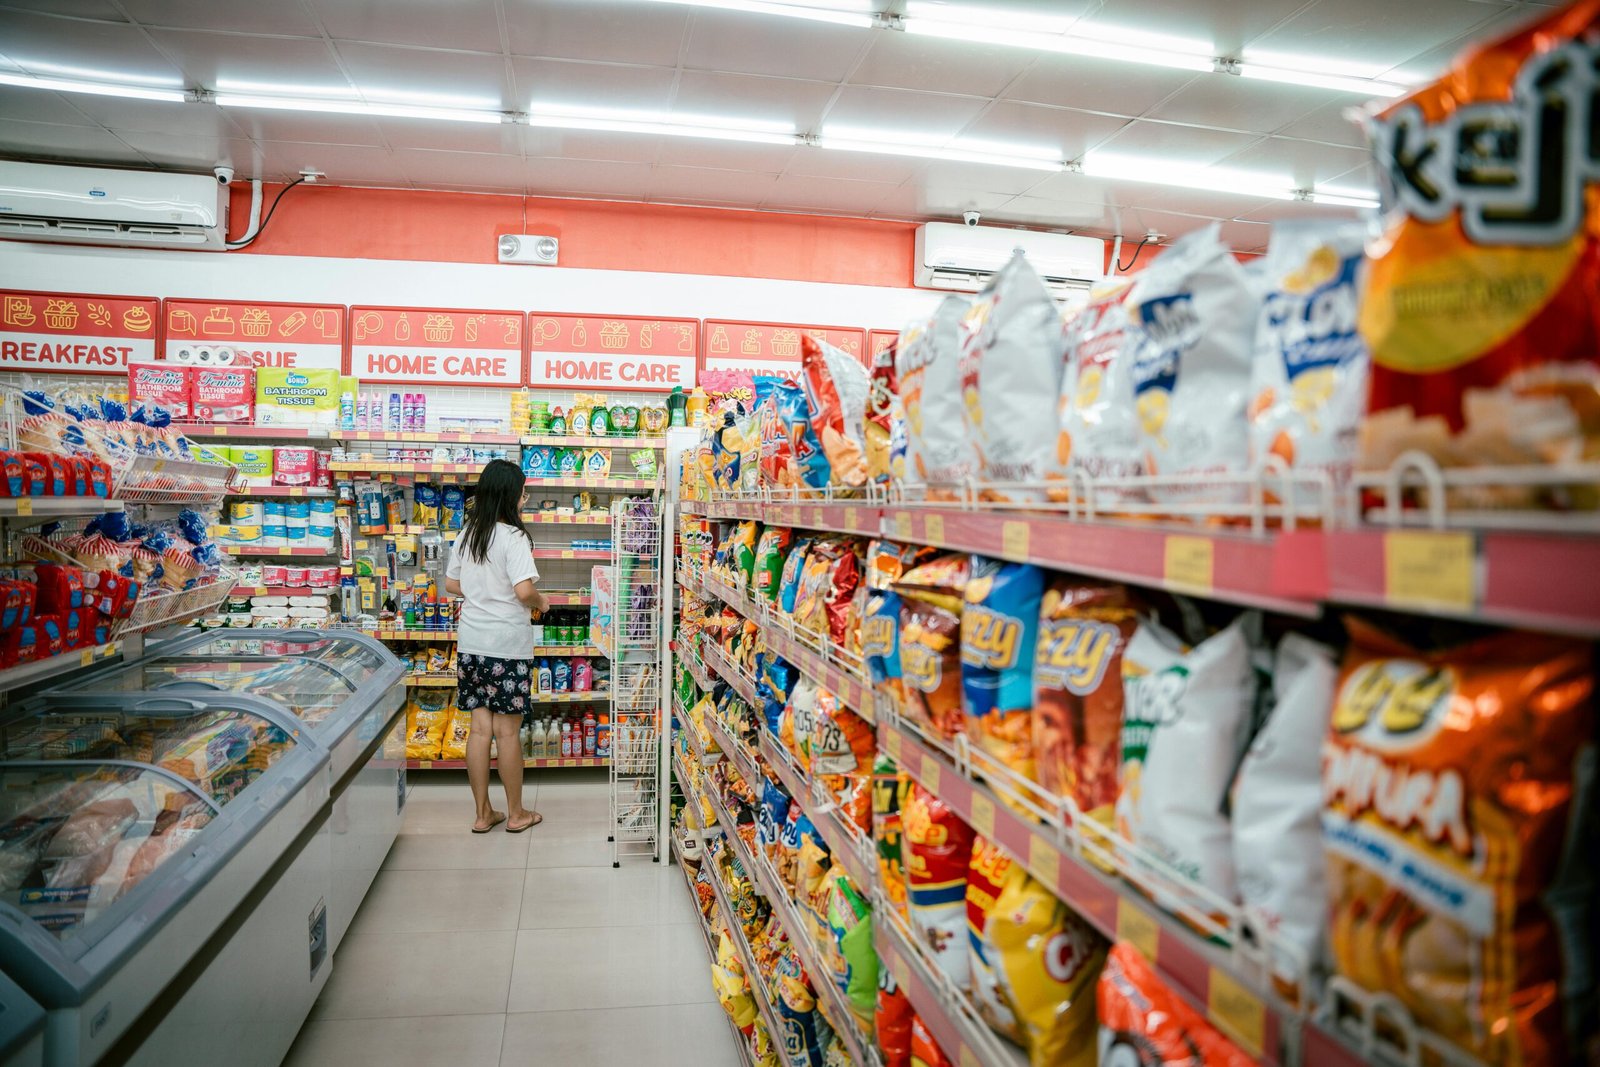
(640, 688)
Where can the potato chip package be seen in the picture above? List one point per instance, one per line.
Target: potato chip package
(889, 789)
(925, 1051)
(1308, 379)
(1049, 960)
(928, 363)
(732, 985)
(773, 683)
(880, 614)
(1143, 1023)
(1098, 428)
(1011, 379)
(885, 430)
(836, 388)
(931, 599)
(727, 452)
(771, 552)
(742, 552)
(774, 813)
(805, 1032)
(790, 449)
(999, 628)
(793, 566)
(989, 872)
(1183, 714)
(455, 738)
(1480, 308)
(842, 742)
(892, 1021)
(850, 924)
(727, 390)
(1077, 687)
(1458, 822)
(1194, 312)
(1277, 809)
(938, 849)
(827, 586)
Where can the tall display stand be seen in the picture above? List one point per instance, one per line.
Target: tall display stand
(637, 685)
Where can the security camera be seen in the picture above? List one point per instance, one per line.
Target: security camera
(224, 175)
(970, 217)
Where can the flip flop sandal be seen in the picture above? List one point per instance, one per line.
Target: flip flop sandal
(535, 821)
(491, 826)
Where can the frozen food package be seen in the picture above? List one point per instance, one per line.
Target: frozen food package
(1184, 711)
(938, 850)
(1143, 1023)
(1458, 821)
(932, 596)
(1308, 379)
(939, 452)
(1098, 428)
(1048, 959)
(988, 873)
(1480, 307)
(836, 388)
(1077, 684)
(884, 430)
(999, 628)
(1277, 809)
(1011, 380)
(1194, 312)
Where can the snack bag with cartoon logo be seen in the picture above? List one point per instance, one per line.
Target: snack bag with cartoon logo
(1480, 307)
(990, 871)
(880, 622)
(884, 429)
(1308, 380)
(889, 791)
(1011, 379)
(1458, 823)
(939, 453)
(1194, 315)
(836, 389)
(938, 850)
(1098, 428)
(999, 628)
(931, 599)
(1048, 960)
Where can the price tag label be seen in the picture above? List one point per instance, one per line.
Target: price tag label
(569, 763)
(891, 744)
(385, 477)
(933, 528)
(851, 521)
(25, 506)
(361, 544)
(219, 431)
(1237, 1012)
(816, 517)
(982, 815)
(969, 1058)
(902, 526)
(1137, 927)
(1430, 568)
(1044, 862)
(86, 657)
(930, 772)
(1189, 562)
(1014, 539)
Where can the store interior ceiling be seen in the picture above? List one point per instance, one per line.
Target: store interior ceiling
(1089, 116)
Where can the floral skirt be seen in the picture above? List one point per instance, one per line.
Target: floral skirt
(498, 685)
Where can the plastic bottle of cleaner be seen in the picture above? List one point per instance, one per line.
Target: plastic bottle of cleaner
(590, 733)
(600, 421)
(582, 675)
(580, 421)
(395, 408)
(552, 738)
(695, 409)
(561, 673)
(566, 738)
(546, 677)
(675, 407)
(347, 409)
(558, 423)
(602, 736)
(526, 736)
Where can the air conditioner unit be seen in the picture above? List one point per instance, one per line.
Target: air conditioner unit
(87, 205)
(964, 258)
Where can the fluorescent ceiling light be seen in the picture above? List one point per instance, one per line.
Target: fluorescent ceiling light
(1157, 172)
(1345, 83)
(69, 85)
(663, 123)
(1026, 157)
(357, 107)
(1050, 36)
(1343, 198)
(850, 15)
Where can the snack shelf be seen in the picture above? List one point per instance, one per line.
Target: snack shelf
(697, 670)
(599, 555)
(263, 433)
(423, 678)
(735, 750)
(597, 519)
(451, 437)
(613, 484)
(721, 665)
(1257, 1021)
(532, 763)
(711, 943)
(843, 841)
(591, 441)
(747, 957)
(24, 506)
(292, 492)
(281, 550)
(144, 479)
(372, 466)
(860, 518)
(175, 607)
(410, 635)
(31, 674)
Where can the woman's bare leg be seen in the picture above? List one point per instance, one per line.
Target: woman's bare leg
(483, 728)
(510, 745)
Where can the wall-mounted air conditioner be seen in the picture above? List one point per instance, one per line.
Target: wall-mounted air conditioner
(88, 205)
(964, 258)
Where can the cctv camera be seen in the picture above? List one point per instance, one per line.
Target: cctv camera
(971, 217)
(224, 175)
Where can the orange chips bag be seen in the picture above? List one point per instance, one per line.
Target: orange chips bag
(931, 600)
(1455, 792)
(1480, 309)
(1145, 1024)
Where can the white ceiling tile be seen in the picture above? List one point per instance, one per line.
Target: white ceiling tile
(1243, 235)
(504, 139)
(1136, 221)
(586, 177)
(745, 96)
(82, 144)
(1076, 188)
(429, 169)
(917, 200)
(470, 24)
(262, 124)
(578, 144)
(460, 79)
(728, 155)
(861, 166)
(1281, 210)
(233, 16)
(804, 193)
(1371, 34)
(1428, 65)
(1098, 85)
(1188, 201)
(155, 116)
(991, 179)
(1304, 163)
(602, 85)
(1238, 103)
(75, 49)
(1175, 144)
(34, 105)
(1224, 24)
(648, 34)
(1069, 133)
(85, 9)
(903, 112)
(769, 44)
(241, 61)
(343, 164)
(913, 61)
(1330, 123)
(197, 152)
(1056, 214)
(696, 183)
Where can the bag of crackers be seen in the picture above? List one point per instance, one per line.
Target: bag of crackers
(1480, 308)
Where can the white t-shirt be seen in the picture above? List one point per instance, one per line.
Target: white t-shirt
(493, 621)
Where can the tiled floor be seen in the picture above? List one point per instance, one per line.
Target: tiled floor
(518, 948)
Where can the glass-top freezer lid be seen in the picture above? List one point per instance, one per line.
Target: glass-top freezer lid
(354, 656)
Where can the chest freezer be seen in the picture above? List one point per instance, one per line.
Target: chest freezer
(21, 1027)
(136, 830)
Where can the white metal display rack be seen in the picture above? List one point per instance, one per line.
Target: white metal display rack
(638, 684)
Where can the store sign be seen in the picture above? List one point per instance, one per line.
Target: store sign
(612, 351)
(436, 346)
(770, 347)
(71, 333)
(878, 341)
(260, 332)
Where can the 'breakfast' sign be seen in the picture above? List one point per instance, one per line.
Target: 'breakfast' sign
(74, 333)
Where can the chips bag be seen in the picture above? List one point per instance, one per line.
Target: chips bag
(793, 567)
(850, 924)
(989, 872)
(1143, 1023)
(999, 627)
(1011, 379)
(1457, 818)
(892, 1021)
(938, 849)
(805, 1033)
(771, 552)
(774, 681)
(925, 1051)
(836, 388)
(884, 429)
(1308, 379)
(774, 812)
(1194, 312)
(931, 600)
(889, 789)
(842, 742)
(928, 363)
(1479, 308)
(1098, 426)
(1048, 959)
(742, 552)
(727, 453)
(789, 447)
(880, 613)
(827, 586)
(731, 984)
(455, 738)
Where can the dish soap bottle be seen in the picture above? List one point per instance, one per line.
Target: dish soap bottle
(558, 423)
(696, 408)
(675, 407)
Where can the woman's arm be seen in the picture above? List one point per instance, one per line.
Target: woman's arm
(452, 586)
(530, 596)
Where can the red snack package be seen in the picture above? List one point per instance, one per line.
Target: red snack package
(96, 627)
(35, 473)
(1145, 1024)
(165, 384)
(837, 410)
(18, 644)
(71, 629)
(58, 474)
(60, 588)
(79, 471)
(16, 603)
(13, 478)
(1479, 307)
(938, 852)
(885, 436)
(893, 1021)
(925, 1051)
(224, 394)
(47, 636)
(99, 478)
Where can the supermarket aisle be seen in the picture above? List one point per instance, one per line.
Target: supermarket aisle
(518, 948)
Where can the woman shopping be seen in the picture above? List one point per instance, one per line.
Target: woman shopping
(492, 569)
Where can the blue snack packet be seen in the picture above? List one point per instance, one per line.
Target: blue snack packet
(999, 628)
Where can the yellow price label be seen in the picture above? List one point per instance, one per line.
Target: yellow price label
(983, 815)
(1138, 927)
(1237, 1011)
(25, 506)
(219, 431)
(851, 521)
(891, 744)
(385, 477)
(1044, 862)
(816, 517)
(969, 1058)
(902, 526)
(425, 765)
(1430, 568)
(86, 657)
(569, 763)
(933, 528)
(1014, 539)
(361, 544)
(1189, 562)
(930, 772)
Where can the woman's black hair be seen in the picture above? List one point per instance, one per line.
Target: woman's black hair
(497, 499)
